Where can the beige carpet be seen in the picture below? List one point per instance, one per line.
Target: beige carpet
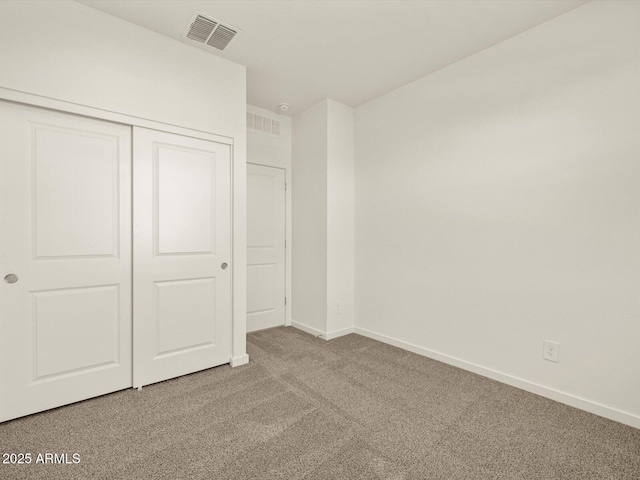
(351, 408)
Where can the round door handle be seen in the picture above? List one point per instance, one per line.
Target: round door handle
(11, 278)
(224, 266)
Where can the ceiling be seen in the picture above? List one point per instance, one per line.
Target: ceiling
(352, 51)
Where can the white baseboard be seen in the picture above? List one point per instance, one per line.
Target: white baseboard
(319, 333)
(338, 333)
(241, 360)
(562, 397)
(307, 329)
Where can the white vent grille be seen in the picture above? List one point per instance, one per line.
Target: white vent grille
(209, 31)
(258, 123)
(221, 37)
(201, 29)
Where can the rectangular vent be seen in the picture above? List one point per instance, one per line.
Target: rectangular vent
(221, 37)
(201, 29)
(210, 32)
(258, 123)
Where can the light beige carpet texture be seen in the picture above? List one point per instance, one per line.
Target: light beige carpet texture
(350, 408)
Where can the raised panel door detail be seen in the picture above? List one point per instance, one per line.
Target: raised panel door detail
(185, 201)
(182, 236)
(65, 206)
(75, 190)
(75, 330)
(185, 314)
(260, 210)
(66, 234)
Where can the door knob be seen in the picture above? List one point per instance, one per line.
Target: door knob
(11, 278)
(224, 266)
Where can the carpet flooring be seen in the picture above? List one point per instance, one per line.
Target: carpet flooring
(303, 408)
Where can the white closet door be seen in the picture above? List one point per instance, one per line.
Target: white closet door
(65, 259)
(265, 247)
(182, 255)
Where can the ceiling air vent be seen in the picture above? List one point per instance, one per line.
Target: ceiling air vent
(221, 37)
(209, 31)
(258, 123)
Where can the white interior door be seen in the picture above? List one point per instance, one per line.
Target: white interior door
(265, 247)
(65, 242)
(182, 255)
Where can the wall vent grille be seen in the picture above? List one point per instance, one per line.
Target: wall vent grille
(258, 123)
(210, 32)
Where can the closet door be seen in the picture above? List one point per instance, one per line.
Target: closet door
(65, 259)
(182, 255)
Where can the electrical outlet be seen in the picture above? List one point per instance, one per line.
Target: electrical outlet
(338, 310)
(551, 351)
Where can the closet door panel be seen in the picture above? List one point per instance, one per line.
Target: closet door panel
(182, 252)
(65, 259)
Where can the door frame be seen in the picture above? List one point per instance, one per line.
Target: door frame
(238, 199)
(288, 236)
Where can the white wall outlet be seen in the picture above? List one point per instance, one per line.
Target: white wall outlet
(338, 309)
(551, 351)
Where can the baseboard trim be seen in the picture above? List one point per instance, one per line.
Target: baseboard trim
(319, 333)
(562, 397)
(338, 333)
(307, 329)
(239, 361)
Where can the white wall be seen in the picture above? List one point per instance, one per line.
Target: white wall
(275, 151)
(323, 219)
(497, 205)
(266, 149)
(340, 217)
(69, 53)
(309, 205)
(81, 55)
